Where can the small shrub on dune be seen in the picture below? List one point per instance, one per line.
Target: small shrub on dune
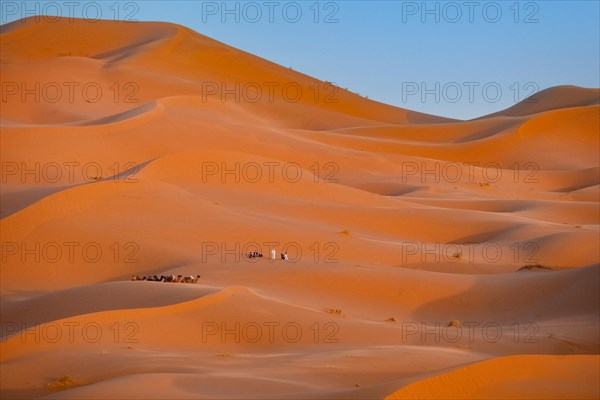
(531, 267)
(62, 382)
(454, 324)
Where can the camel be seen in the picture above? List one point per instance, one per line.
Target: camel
(190, 279)
(167, 278)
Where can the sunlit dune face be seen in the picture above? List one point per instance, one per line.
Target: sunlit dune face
(183, 219)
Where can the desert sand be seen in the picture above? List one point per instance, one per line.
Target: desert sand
(428, 257)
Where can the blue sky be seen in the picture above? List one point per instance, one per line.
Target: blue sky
(460, 59)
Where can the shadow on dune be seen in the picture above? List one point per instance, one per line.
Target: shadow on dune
(16, 201)
(121, 53)
(496, 129)
(122, 295)
(488, 236)
(559, 299)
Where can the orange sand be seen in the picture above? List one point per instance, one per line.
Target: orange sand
(397, 224)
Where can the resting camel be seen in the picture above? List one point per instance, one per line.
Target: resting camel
(167, 278)
(190, 279)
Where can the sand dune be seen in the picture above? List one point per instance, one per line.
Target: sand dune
(498, 379)
(428, 258)
(552, 99)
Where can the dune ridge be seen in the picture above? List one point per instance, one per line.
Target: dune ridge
(403, 230)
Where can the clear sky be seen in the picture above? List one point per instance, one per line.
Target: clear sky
(459, 59)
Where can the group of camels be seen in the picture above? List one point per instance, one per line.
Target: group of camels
(167, 278)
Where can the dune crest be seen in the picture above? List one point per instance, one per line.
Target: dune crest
(512, 378)
(414, 256)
